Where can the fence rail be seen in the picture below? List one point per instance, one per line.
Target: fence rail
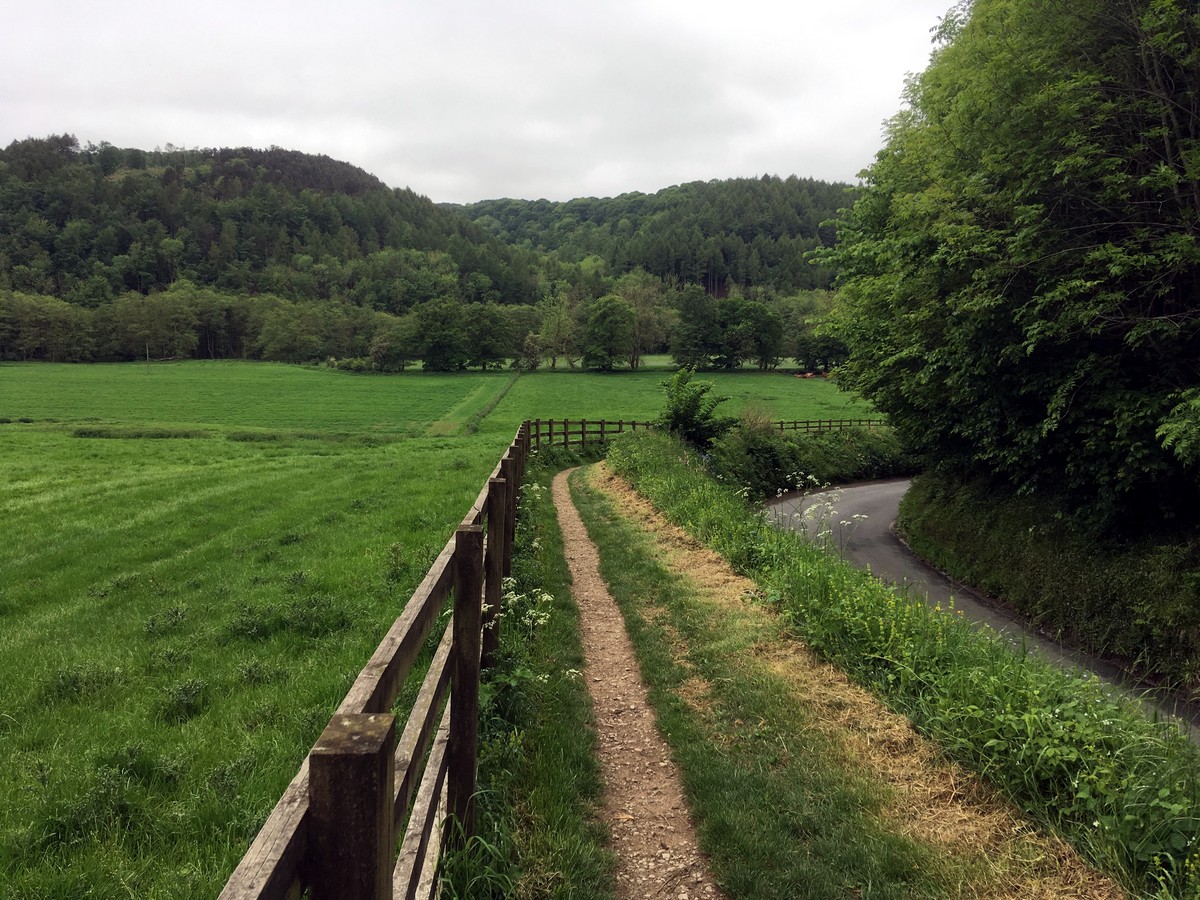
(333, 832)
(581, 432)
(818, 425)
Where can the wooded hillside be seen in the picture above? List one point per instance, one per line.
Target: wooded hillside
(741, 232)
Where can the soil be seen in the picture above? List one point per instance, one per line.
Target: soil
(931, 800)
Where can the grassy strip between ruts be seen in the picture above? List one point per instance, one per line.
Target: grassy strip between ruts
(1124, 790)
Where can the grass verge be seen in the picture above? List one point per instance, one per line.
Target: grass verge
(1135, 601)
(539, 780)
(1123, 789)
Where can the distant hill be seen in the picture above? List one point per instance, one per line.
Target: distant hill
(748, 232)
(85, 224)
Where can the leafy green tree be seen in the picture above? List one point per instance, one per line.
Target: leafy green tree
(651, 314)
(395, 344)
(558, 329)
(696, 337)
(442, 335)
(486, 334)
(531, 353)
(608, 335)
(1020, 272)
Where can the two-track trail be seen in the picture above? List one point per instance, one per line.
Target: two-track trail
(644, 808)
(932, 801)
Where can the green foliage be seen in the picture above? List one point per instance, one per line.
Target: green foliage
(1020, 271)
(1134, 600)
(748, 232)
(608, 336)
(83, 225)
(1122, 788)
(765, 462)
(691, 408)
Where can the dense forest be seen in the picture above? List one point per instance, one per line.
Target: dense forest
(1021, 273)
(109, 254)
(751, 233)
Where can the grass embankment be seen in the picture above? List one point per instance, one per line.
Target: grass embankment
(1135, 600)
(781, 811)
(1124, 790)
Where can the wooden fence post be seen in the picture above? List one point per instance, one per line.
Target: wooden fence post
(463, 746)
(537, 434)
(350, 784)
(583, 433)
(497, 537)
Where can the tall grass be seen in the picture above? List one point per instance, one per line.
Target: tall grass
(1124, 789)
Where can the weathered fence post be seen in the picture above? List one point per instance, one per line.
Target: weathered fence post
(537, 432)
(497, 538)
(350, 784)
(462, 749)
(583, 433)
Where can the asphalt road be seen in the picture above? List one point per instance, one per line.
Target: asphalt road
(859, 523)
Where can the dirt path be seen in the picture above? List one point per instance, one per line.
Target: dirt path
(652, 835)
(932, 801)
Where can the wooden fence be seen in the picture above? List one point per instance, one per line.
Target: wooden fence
(581, 432)
(333, 833)
(578, 432)
(816, 425)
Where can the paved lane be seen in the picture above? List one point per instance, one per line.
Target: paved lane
(871, 543)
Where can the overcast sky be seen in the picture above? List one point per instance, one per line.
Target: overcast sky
(467, 100)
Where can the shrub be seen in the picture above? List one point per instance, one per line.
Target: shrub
(691, 410)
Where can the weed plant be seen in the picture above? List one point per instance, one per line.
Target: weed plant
(1124, 789)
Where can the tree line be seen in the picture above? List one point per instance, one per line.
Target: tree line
(118, 254)
(88, 224)
(567, 327)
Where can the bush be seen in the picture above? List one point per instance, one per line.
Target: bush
(768, 462)
(691, 411)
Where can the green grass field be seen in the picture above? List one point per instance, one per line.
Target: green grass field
(199, 558)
